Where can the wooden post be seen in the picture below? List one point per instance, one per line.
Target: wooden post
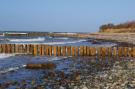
(73, 51)
(77, 51)
(130, 52)
(0, 48)
(125, 51)
(35, 50)
(88, 51)
(103, 52)
(42, 50)
(50, 50)
(24, 48)
(93, 51)
(12, 48)
(68, 50)
(99, 51)
(59, 51)
(81, 51)
(27, 48)
(84, 51)
(120, 51)
(55, 50)
(63, 50)
(109, 52)
(114, 52)
(4, 48)
(46, 50)
(8, 48)
(133, 52)
(19, 48)
(16, 48)
(31, 48)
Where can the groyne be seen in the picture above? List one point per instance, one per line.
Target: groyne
(53, 50)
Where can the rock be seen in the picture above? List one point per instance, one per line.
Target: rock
(78, 77)
(40, 66)
(61, 87)
(75, 87)
(85, 87)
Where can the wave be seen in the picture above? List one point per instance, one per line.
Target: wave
(56, 58)
(66, 33)
(9, 69)
(3, 55)
(55, 43)
(60, 43)
(62, 38)
(27, 40)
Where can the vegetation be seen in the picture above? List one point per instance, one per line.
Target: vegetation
(126, 25)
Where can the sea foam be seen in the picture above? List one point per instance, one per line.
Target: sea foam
(27, 40)
(3, 55)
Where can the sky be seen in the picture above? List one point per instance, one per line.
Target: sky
(63, 15)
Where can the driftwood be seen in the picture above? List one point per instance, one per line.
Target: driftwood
(40, 66)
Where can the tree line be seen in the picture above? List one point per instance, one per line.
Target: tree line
(130, 24)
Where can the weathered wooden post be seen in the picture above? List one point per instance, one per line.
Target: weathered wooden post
(16, 48)
(55, 50)
(76, 51)
(81, 51)
(73, 50)
(85, 51)
(46, 50)
(88, 51)
(120, 51)
(24, 48)
(109, 52)
(103, 52)
(8, 47)
(68, 50)
(114, 52)
(31, 48)
(125, 51)
(50, 50)
(12, 48)
(99, 50)
(93, 51)
(35, 50)
(63, 50)
(0, 48)
(133, 52)
(59, 51)
(130, 52)
(27, 48)
(42, 50)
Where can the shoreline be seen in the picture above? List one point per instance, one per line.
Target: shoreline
(121, 38)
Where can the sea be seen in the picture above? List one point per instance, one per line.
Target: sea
(12, 67)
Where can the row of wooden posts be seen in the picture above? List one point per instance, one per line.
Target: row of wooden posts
(52, 50)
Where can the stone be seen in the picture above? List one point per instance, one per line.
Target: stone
(61, 87)
(85, 87)
(40, 66)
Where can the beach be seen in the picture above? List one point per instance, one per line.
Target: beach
(69, 72)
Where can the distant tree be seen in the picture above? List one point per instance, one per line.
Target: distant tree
(130, 24)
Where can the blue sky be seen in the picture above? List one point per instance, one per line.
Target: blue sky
(63, 15)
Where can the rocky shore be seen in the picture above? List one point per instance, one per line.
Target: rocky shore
(83, 73)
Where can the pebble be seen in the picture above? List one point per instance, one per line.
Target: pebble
(61, 87)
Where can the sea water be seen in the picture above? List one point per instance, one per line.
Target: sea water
(13, 67)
